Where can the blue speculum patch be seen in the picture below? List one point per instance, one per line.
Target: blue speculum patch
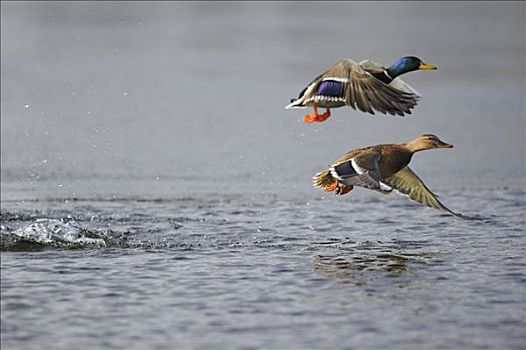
(331, 88)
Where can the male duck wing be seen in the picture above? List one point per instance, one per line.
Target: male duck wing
(349, 83)
(372, 66)
(307, 94)
(399, 84)
(365, 92)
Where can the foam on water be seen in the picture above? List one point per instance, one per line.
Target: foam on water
(52, 233)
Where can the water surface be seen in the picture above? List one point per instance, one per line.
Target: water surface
(156, 195)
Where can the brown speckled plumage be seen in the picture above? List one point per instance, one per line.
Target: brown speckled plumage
(382, 168)
(393, 157)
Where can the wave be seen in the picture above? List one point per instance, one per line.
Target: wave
(54, 233)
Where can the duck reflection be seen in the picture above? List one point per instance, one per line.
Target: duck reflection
(346, 260)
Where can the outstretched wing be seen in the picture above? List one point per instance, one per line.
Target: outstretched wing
(371, 65)
(348, 83)
(361, 90)
(407, 182)
(397, 83)
(306, 95)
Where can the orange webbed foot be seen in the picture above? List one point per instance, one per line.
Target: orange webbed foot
(309, 118)
(323, 117)
(343, 189)
(331, 187)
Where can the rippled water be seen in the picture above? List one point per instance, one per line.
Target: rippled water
(155, 194)
(239, 272)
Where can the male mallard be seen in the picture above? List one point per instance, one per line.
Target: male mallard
(382, 168)
(366, 85)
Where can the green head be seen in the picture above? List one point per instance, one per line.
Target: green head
(407, 64)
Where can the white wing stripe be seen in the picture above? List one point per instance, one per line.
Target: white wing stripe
(385, 187)
(335, 174)
(328, 98)
(357, 168)
(341, 80)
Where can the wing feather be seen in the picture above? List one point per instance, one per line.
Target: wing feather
(366, 93)
(361, 170)
(361, 90)
(407, 182)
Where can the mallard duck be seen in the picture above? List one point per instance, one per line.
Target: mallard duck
(382, 168)
(366, 86)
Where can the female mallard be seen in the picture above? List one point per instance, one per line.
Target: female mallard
(366, 85)
(382, 168)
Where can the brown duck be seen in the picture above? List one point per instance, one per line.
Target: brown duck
(383, 168)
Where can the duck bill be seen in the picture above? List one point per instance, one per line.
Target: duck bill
(445, 145)
(426, 66)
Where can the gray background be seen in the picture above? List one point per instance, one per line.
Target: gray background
(190, 95)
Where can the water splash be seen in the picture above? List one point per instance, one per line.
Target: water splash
(52, 233)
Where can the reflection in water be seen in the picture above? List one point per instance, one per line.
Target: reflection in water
(351, 260)
(346, 266)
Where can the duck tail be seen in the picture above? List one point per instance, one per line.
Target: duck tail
(298, 102)
(295, 103)
(325, 181)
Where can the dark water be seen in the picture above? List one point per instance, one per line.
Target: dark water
(242, 272)
(155, 194)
